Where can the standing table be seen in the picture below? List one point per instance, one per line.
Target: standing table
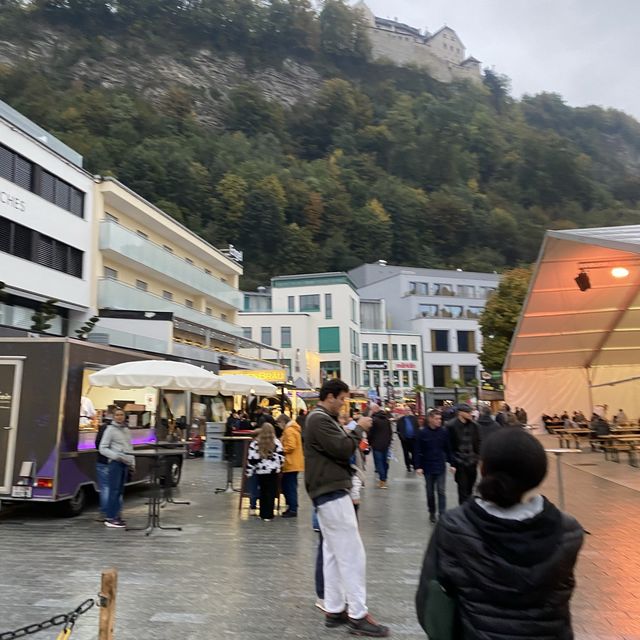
(246, 439)
(159, 461)
(558, 454)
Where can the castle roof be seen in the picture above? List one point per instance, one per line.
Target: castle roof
(385, 22)
(471, 59)
(445, 28)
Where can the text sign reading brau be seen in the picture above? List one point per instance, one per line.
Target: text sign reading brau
(9, 200)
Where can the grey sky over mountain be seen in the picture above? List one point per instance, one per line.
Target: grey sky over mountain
(585, 50)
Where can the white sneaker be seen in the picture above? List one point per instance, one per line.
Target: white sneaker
(320, 604)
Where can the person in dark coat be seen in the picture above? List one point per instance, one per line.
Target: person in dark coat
(507, 562)
(464, 435)
(380, 440)
(432, 452)
(407, 428)
(486, 423)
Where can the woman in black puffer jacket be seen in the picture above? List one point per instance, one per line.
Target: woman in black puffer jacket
(507, 561)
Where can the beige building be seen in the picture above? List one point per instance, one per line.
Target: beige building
(160, 287)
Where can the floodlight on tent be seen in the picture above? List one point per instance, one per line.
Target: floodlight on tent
(619, 272)
(582, 280)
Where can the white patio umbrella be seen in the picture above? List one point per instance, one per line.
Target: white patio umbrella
(159, 374)
(240, 384)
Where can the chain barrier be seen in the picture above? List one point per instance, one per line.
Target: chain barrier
(66, 619)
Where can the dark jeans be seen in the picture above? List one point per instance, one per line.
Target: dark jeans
(117, 477)
(319, 574)
(102, 477)
(268, 483)
(465, 478)
(436, 481)
(381, 461)
(290, 490)
(408, 445)
(254, 491)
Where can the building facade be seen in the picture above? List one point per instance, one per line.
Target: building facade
(46, 226)
(442, 53)
(444, 308)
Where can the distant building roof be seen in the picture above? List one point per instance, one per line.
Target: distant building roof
(398, 26)
(470, 59)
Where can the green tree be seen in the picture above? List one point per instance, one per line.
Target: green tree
(500, 317)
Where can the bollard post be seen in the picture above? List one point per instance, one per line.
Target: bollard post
(108, 608)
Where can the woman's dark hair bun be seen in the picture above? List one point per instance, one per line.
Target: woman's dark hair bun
(513, 462)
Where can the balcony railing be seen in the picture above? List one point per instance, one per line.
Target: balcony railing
(117, 295)
(466, 315)
(139, 250)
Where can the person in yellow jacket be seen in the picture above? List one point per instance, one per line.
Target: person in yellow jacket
(293, 464)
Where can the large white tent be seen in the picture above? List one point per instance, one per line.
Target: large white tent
(576, 349)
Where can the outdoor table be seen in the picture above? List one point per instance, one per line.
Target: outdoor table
(229, 488)
(157, 456)
(564, 436)
(558, 454)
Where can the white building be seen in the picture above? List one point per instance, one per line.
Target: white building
(314, 320)
(46, 209)
(443, 307)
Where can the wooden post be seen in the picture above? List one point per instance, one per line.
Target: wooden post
(108, 610)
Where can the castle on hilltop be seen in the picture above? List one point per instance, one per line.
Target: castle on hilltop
(442, 53)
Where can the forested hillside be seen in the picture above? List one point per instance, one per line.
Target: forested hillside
(265, 125)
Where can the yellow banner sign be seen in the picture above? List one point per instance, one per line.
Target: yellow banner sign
(272, 375)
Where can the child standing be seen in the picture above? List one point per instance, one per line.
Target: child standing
(265, 461)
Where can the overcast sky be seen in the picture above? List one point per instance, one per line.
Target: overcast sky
(585, 50)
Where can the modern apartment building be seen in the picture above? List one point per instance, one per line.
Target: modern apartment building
(46, 210)
(314, 322)
(444, 308)
(162, 288)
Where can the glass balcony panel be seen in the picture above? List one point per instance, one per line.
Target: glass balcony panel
(117, 295)
(114, 237)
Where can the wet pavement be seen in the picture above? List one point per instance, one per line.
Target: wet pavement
(229, 575)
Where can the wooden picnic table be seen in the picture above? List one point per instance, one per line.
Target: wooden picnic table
(613, 444)
(567, 436)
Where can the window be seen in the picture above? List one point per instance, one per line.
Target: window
(223, 317)
(353, 341)
(419, 288)
(142, 234)
(385, 351)
(110, 273)
(329, 339)
(394, 352)
(375, 378)
(468, 374)
(142, 285)
(414, 352)
(405, 352)
(441, 375)
(466, 291)
(414, 378)
(329, 369)
(265, 335)
(375, 352)
(167, 295)
(328, 306)
(188, 303)
(451, 311)
(354, 310)
(110, 217)
(396, 378)
(247, 332)
(365, 350)
(285, 337)
(209, 311)
(291, 304)
(310, 303)
(167, 248)
(56, 191)
(428, 310)
(487, 292)
(474, 312)
(189, 260)
(467, 341)
(366, 378)
(439, 340)
(208, 271)
(405, 378)
(440, 289)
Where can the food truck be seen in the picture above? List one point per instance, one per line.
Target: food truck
(49, 418)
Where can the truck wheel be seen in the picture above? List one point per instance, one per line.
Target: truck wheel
(74, 506)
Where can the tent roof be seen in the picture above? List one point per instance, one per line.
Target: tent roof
(561, 326)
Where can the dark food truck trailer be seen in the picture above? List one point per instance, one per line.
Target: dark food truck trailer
(46, 453)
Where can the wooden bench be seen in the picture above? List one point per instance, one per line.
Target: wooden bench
(612, 452)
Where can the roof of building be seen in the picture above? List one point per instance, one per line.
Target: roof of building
(368, 274)
(311, 279)
(398, 25)
(444, 28)
(470, 59)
